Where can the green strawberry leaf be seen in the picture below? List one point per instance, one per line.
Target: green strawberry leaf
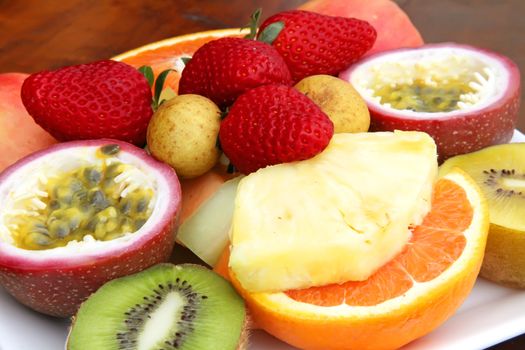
(185, 59)
(159, 85)
(254, 24)
(270, 33)
(147, 72)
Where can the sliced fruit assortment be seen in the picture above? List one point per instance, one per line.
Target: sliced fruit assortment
(335, 241)
(104, 99)
(425, 283)
(164, 307)
(19, 134)
(312, 43)
(353, 215)
(79, 214)
(466, 98)
(500, 173)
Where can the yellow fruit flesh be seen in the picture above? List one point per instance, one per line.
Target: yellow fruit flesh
(421, 97)
(500, 172)
(81, 202)
(333, 218)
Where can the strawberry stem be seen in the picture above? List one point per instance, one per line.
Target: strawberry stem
(270, 33)
(185, 59)
(147, 72)
(254, 24)
(159, 85)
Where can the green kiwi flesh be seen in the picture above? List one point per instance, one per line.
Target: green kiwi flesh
(500, 173)
(182, 307)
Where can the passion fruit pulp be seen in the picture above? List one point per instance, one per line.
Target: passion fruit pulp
(90, 200)
(79, 214)
(465, 97)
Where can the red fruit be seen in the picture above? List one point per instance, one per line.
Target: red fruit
(393, 26)
(19, 135)
(485, 116)
(104, 99)
(317, 44)
(56, 280)
(223, 69)
(273, 124)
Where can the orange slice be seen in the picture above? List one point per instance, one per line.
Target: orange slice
(167, 53)
(405, 299)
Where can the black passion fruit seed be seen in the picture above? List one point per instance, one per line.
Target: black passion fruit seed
(110, 150)
(421, 97)
(168, 307)
(81, 202)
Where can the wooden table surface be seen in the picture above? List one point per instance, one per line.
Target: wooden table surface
(37, 34)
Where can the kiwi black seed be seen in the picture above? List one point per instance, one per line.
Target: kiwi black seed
(170, 307)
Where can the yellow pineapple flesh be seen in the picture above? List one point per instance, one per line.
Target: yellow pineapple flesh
(333, 218)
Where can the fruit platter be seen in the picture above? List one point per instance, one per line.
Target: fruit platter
(310, 181)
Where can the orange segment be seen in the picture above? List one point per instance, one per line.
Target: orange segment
(164, 54)
(404, 299)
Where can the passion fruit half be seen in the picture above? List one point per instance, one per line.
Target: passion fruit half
(79, 214)
(465, 97)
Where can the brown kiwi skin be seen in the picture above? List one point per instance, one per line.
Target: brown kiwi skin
(504, 261)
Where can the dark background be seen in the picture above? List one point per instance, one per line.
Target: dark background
(44, 34)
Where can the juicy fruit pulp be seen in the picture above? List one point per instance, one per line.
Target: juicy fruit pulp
(421, 97)
(91, 200)
(470, 79)
(164, 307)
(468, 97)
(500, 173)
(405, 299)
(341, 209)
(55, 281)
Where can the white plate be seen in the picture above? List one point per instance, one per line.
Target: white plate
(490, 315)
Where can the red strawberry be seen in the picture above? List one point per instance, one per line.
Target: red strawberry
(273, 124)
(225, 68)
(312, 43)
(104, 99)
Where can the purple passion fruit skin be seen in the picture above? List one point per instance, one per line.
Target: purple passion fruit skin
(465, 97)
(79, 214)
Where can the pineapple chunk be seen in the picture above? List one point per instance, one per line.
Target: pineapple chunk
(333, 218)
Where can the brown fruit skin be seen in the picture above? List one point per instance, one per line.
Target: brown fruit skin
(504, 261)
(183, 133)
(339, 100)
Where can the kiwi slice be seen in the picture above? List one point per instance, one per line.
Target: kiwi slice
(164, 307)
(500, 173)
